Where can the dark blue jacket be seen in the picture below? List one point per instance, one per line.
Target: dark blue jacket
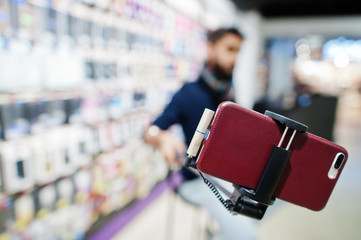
(186, 109)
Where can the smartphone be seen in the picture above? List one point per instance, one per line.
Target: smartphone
(239, 142)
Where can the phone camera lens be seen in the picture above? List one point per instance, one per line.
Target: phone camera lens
(339, 161)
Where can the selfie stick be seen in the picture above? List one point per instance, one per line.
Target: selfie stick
(262, 196)
(251, 202)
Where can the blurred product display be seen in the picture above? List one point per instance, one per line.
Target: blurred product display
(79, 83)
(310, 79)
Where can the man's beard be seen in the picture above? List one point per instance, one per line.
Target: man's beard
(221, 74)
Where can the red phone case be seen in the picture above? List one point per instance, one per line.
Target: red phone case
(238, 146)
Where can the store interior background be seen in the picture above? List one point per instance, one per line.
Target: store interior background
(80, 80)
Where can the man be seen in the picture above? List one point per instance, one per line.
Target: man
(213, 86)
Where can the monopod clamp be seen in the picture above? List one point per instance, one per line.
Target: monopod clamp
(254, 202)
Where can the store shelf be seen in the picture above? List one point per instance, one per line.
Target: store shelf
(106, 229)
(80, 81)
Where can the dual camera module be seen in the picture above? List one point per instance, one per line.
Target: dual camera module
(336, 165)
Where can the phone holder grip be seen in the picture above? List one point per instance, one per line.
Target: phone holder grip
(254, 202)
(299, 127)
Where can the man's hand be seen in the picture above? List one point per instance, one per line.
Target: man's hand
(169, 145)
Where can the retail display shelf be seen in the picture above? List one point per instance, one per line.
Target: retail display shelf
(125, 216)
